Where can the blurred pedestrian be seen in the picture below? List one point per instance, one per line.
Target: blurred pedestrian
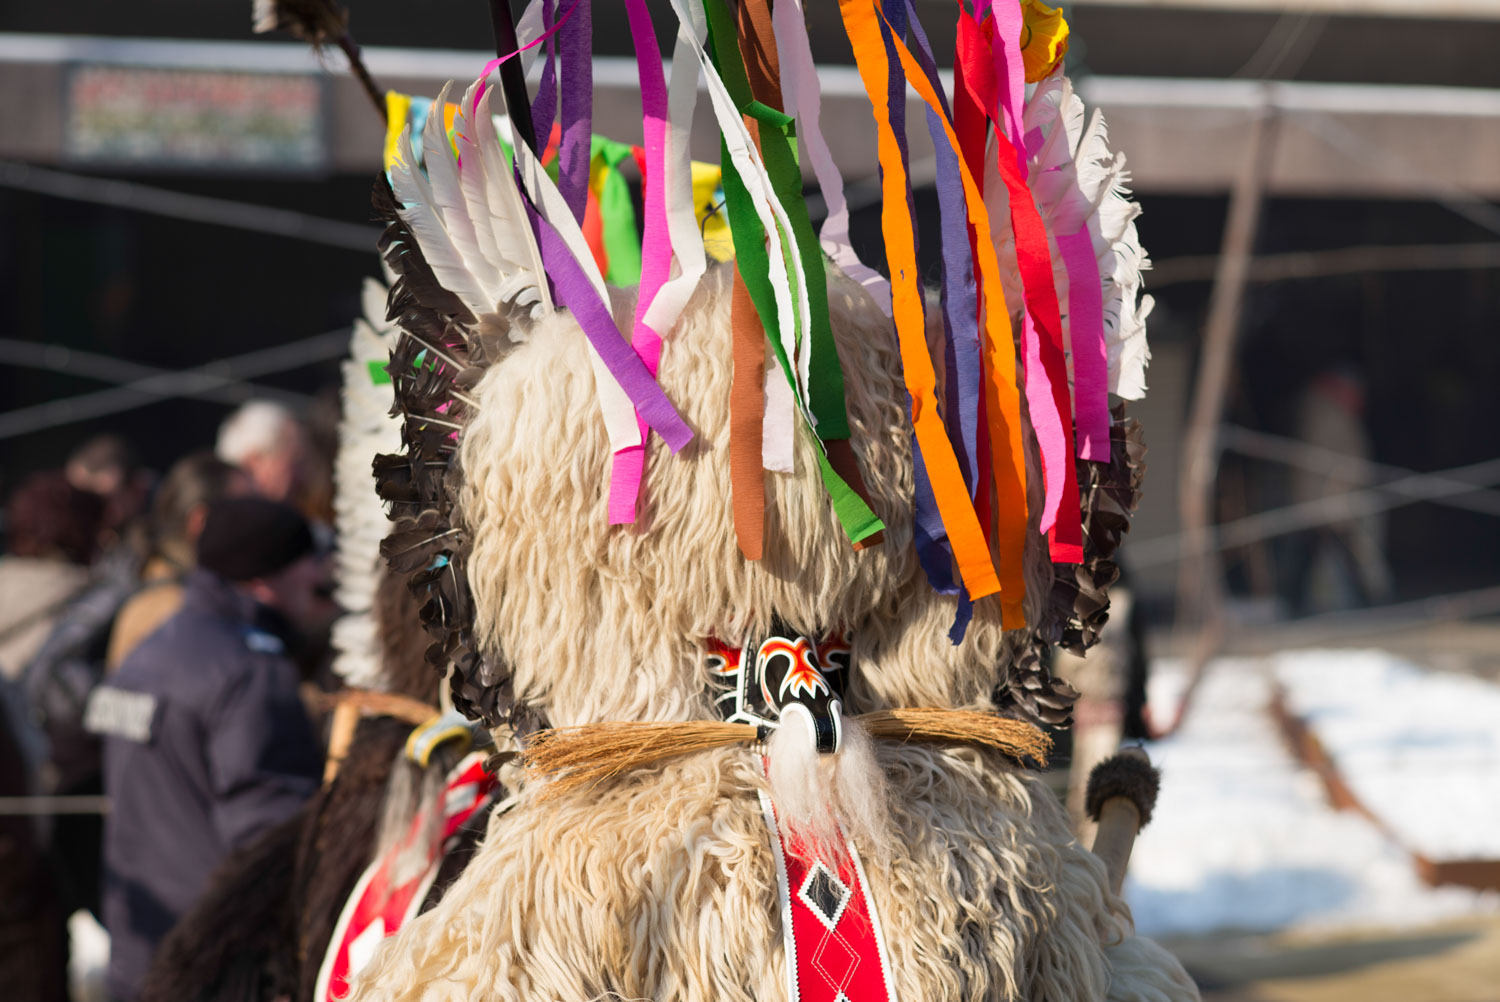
(1340, 564)
(52, 533)
(207, 742)
(33, 937)
(57, 681)
(109, 467)
(269, 443)
(176, 521)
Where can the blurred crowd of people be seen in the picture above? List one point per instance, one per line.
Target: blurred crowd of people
(160, 643)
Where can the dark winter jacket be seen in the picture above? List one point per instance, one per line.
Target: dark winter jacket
(207, 744)
(58, 682)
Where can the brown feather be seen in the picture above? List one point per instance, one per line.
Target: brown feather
(441, 353)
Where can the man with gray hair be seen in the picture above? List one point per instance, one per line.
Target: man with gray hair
(268, 442)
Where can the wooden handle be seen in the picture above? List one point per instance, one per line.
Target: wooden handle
(340, 736)
(1119, 821)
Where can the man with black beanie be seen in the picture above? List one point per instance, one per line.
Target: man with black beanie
(207, 743)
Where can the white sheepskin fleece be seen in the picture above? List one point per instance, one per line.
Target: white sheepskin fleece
(608, 623)
(663, 887)
(661, 884)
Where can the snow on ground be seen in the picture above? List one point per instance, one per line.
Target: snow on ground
(1420, 749)
(1243, 837)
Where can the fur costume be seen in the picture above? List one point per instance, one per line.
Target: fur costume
(660, 884)
(585, 588)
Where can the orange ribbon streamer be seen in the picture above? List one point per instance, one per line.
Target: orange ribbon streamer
(746, 400)
(959, 517)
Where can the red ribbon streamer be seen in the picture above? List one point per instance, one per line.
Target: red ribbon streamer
(978, 73)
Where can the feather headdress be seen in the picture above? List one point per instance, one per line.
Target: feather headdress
(1040, 261)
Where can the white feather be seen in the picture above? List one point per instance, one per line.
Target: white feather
(448, 196)
(471, 183)
(418, 211)
(1077, 181)
(1104, 179)
(367, 428)
(519, 263)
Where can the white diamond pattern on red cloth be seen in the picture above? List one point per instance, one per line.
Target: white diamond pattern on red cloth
(836, 961)
(835, 949)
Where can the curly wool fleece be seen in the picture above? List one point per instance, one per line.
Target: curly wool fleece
(661, 884)
(663, 887)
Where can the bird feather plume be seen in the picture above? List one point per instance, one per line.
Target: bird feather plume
(448, 197)
(1103, 176)
(417, 208)
(519, 261)
(1078, 180)
(366, 428)
(471, 183)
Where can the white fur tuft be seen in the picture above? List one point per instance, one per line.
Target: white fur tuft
(816, 795)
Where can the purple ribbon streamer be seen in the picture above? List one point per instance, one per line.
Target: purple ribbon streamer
(960, 302)
(933, 552)
(576, 41)
(895, 14)
(924, 56)
(544, 107)
(960, 299)
(960, 306)
(577, 293)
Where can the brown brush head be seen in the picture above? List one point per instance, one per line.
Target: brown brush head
(584, 756)
(1127, 774)
(318, 22)
(1016, 738)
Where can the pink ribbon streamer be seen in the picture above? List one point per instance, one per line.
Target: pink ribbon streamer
(494, 64)
(1010, 72)
(1086, 337)
(1010, 75)
(629, 466)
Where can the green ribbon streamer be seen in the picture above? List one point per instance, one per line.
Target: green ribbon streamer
(826, 378)
(778, 151)
(622, 242)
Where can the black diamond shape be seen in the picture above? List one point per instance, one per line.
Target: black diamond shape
(824, 892)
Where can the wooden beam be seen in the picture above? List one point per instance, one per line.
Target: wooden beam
(1200, 598)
